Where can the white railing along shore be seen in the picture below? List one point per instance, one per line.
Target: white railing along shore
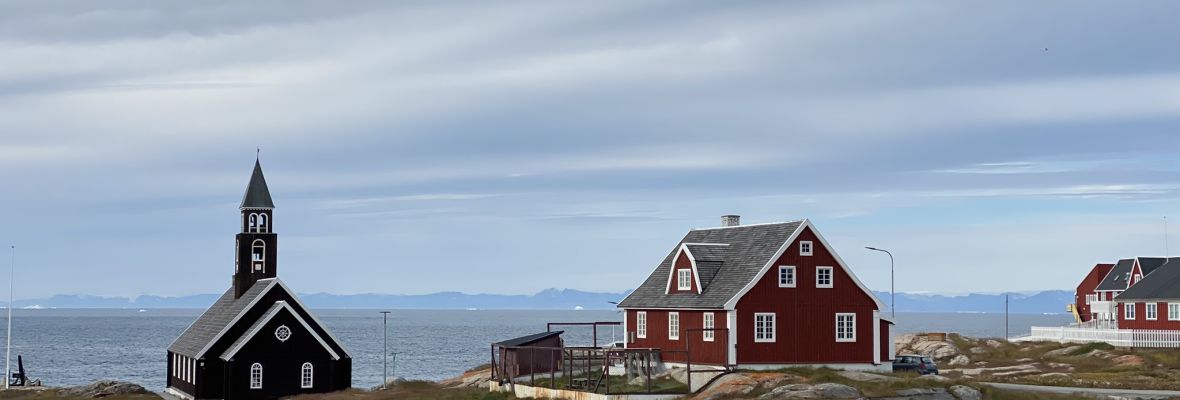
(1115, 337)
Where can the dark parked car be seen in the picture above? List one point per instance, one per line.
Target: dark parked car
(923, 365)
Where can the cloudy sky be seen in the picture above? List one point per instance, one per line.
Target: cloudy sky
(508, 147)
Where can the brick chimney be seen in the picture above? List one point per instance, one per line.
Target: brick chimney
(731, 220)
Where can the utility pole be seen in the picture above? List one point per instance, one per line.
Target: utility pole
(385, 352)
(1005, 317)
(8, 347)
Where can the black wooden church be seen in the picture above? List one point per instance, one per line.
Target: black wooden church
(258, 341)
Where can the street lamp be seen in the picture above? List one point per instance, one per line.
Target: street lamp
(385, 352)
(892, 294)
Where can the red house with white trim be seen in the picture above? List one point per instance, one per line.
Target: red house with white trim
(1153, 300)
(1086, 292)
(758, 296)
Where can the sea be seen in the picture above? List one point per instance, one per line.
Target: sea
(65, 347)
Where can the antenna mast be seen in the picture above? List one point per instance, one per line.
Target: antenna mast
(1166, 251)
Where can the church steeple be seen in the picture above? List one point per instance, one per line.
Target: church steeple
(257, 244)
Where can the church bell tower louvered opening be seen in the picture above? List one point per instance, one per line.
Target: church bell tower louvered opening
(257, 244)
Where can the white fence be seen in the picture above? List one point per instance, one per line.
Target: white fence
(1115, 337)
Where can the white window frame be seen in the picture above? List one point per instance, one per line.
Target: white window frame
(1173, 311)
(684, 279)
(850, 329)
(768, 322)
(641, 324)
(673, 322)
(831, 277)
(306, 376)
(1129, 311)
(709, 321)
(806, 248)
(256, 376)
(1151, 312)
(793, 273)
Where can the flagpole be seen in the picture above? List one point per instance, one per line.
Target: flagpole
(8, 347)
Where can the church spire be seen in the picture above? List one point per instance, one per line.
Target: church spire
(257, 195)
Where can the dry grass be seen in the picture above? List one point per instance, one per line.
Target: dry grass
(50, 394)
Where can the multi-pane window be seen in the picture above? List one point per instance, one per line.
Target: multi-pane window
(673, 326)
(1151, 311)
(256, 376)
(764, 327)
(684, 279)
(805, 248)
(786, 276)
(306, 376)
(1129, 311)
(845, 327)
(641, 324)
(1173, 311)
(823, 277)
(708, 325)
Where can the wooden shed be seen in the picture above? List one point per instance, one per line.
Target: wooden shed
(536, 353)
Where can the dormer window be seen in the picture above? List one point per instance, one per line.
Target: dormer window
(805, 248)
(683, 279)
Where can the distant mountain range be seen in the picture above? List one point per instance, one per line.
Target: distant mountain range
(1052, 301)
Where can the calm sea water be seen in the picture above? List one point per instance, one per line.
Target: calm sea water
(76, 346)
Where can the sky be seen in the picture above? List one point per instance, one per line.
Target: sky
(508, 147)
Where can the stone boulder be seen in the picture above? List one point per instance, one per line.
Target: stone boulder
(966, 392)
(742, 383)
(920, 344)
(1062, 352)
(959, 360)
(993, 343)
(820, 391)
(102, 389)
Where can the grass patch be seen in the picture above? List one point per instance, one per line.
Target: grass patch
(998, 394)
(411, 390)
(50, 394)
(618, 384)
(902, 380)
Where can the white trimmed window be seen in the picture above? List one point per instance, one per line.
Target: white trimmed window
(673, 326)
(256, 376)
(786, 276)
(805, 248)
(306, 376)
(823, 277)
(708, 325)
(764, 327)
(1173, 311)
(1150, 314)
(641, 324)
(1129, 311)
(845, 327)
(684, 279)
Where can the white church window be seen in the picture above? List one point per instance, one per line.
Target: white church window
(256, 376)
(283, 333)
(306, 381)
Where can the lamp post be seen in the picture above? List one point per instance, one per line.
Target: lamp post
(385, 351)
(892, 294)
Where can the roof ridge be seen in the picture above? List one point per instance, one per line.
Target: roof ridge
(747, 225)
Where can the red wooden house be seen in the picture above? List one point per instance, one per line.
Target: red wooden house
(1153, 300)
(758, 296)
(1086, 292)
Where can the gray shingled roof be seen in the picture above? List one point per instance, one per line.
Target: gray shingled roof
(1163, 284)
(709, 259)
(750, 248)
(1116, 279)
(217, 317)
(257, 194)
(1149, 264)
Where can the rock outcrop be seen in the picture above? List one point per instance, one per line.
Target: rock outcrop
(103, 389)
(922, 345)
(805, 391)
(737, 384)
(470, 379)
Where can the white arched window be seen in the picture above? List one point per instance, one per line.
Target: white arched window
(253, 223)
(262, 223)
(306, 374)
(258, 254)
(256, 376)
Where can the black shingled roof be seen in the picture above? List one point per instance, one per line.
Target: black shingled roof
(257, 195)
(750, 248)
(205, 329)
(1149, 264)
(523, 340)
(1116, 279)
(1163, 284)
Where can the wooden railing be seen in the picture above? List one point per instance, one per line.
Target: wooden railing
(1115, 337)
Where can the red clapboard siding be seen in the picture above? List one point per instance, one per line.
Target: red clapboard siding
(885, 338)
(1141, 321)
(805, 315)
(672, 350)
(1087, 287)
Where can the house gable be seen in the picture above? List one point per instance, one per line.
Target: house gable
(273, 291)
(280, 307)
(683, 261)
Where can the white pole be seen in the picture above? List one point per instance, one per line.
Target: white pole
(8, 347)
